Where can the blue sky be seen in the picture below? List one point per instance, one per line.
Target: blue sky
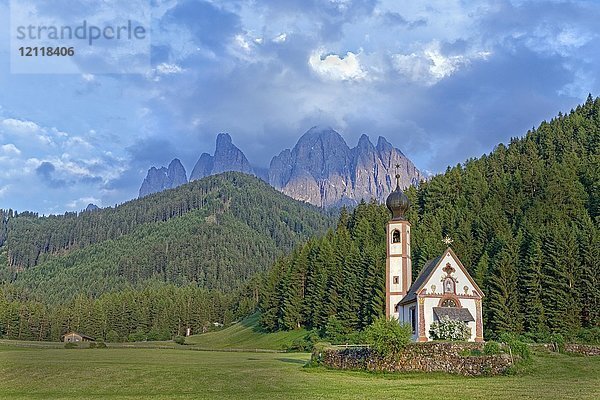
(443, 81)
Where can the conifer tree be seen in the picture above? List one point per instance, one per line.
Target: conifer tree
(589, 281)
(532, 285)
(503, 300)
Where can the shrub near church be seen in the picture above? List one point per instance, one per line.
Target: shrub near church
(448, 329)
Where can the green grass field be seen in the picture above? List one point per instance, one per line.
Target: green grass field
(245, 335)
(123, 373)
(163, 370)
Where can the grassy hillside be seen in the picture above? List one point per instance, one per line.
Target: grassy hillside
(215, 233)
(246, 334)
(180, 374)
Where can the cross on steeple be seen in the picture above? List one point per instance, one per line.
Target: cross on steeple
(397, 176)
(447, 240)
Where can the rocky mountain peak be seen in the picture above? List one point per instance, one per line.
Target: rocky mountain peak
(323, 151)
(176, 174)
(324, 135)
(91, 207)
(203, 167)
(320, 169)
(385, 147)
(227, 157)
(223, 139)
(364, 145)
(159, 179)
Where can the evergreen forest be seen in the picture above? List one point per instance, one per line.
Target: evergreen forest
(525, 220)
(136, 268)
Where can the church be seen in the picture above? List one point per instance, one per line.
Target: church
(443, 287)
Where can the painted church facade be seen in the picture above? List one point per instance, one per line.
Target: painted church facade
(443, 287)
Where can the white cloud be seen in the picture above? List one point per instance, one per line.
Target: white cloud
(565, 41)
(45, 140)
(78, 142)
(72, 168)
(10, 149)
(341, 5)
(245, 48)
(168, 69)
(12, 125)
(4, 190)
(280, 38)
(83, 202)
(57, 133)
(336, 68)
(241, 42)
(75, 158)
(33, 162)
(430, 66)
(571, 38)
(162, 70)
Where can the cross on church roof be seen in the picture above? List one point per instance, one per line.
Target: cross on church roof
(397, 176)
(447, 240)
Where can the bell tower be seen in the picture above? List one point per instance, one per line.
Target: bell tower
(398, 267)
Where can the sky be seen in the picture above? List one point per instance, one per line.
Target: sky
(444, 81)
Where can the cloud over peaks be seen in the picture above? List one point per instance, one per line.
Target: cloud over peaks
(337, 68)
(429, 65)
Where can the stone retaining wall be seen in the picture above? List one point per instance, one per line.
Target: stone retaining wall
(423, 357)
(585, 349)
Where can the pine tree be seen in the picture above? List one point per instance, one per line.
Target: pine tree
(316, 289)
(559, 296)
(532, 286)
(503, 300)
(588, 280)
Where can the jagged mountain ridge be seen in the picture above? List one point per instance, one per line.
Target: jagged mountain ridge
(227, 157)
(159, 179)
(320, 169)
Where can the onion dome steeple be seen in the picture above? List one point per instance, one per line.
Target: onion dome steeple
(397, 202)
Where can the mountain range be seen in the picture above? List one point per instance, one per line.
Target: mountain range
(321, 169)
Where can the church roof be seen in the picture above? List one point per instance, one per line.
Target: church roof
(457, 314)
(421, 280)
(427, 271)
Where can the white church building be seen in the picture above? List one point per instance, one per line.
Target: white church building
(443, 287)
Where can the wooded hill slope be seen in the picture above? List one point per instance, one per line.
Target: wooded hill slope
(214, 233)
(525, 220)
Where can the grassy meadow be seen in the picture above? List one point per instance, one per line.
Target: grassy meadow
(128, 373)
(245, 335)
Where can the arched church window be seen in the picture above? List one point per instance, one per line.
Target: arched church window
(449, 303)
(396, 236)
(448, 285)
